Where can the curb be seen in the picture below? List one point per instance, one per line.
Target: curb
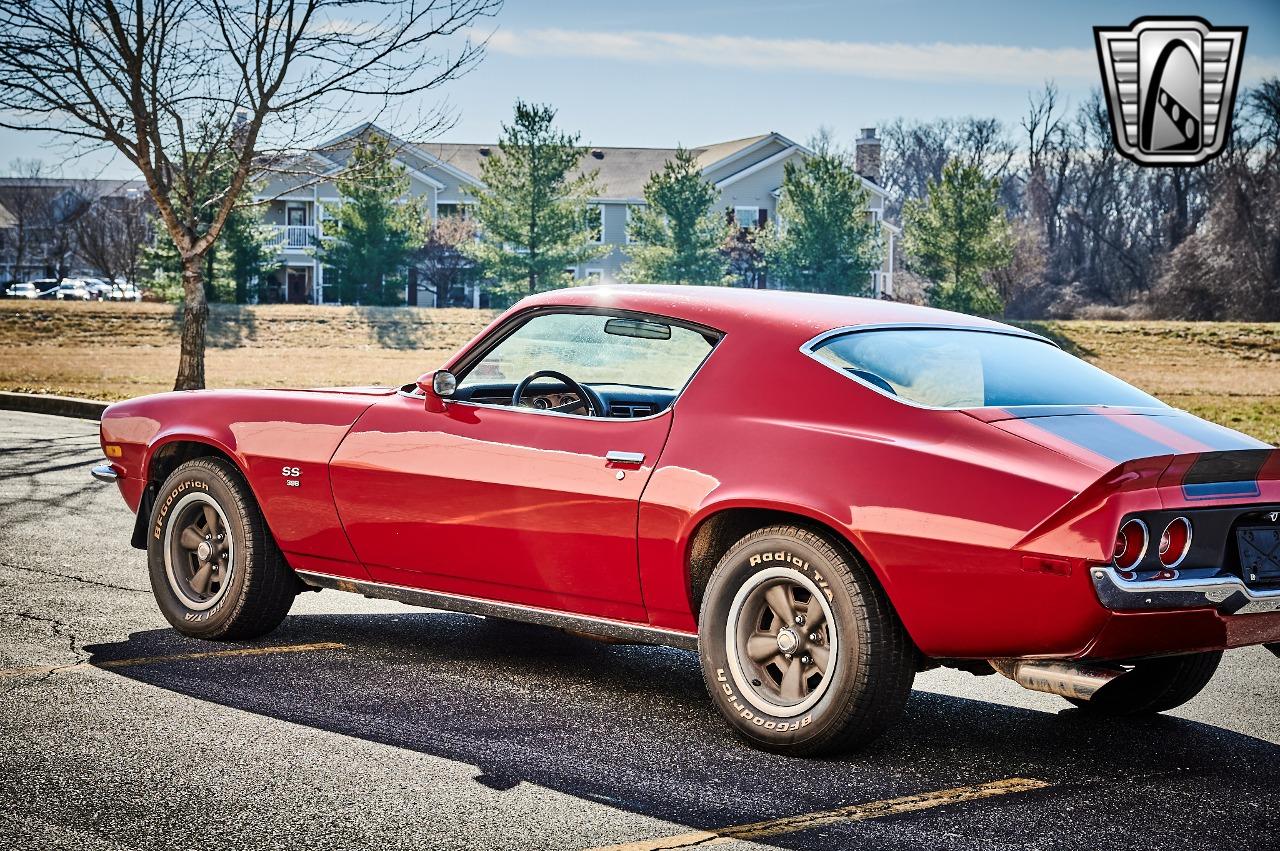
(59, 406)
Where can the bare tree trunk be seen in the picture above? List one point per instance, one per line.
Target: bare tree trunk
(195, 321)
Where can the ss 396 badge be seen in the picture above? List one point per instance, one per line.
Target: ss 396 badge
(1171, 86)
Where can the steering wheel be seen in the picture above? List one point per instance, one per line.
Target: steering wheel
(586, 398)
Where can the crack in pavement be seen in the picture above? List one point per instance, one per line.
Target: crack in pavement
(70, 577)
(59, 628)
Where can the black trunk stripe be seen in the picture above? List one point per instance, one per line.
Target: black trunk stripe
(1103, 436)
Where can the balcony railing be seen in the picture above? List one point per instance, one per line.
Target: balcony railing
(292, 236)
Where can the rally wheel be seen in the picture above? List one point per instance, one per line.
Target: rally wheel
(215, 570)
(800, 649)
(1156, 685)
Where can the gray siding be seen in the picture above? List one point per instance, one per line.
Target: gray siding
(753, 190)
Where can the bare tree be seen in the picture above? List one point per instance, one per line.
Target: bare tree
(30, 212)
(1048, 159)
(443, 266)
(915, 153)
(186, 88)
(111, 232)
(1229, 268)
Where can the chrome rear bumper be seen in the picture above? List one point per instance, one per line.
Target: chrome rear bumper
(104, 473)
(1227, 594)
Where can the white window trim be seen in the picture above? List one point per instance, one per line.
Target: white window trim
(587, 273)
(461, 205)
(626, 230)
(296, 205)
(599, 207)
(755, 219)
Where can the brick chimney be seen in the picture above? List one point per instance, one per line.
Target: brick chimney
(866, 150)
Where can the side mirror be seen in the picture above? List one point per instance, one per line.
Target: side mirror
(437, 387)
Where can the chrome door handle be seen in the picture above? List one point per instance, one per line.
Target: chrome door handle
(613, 456)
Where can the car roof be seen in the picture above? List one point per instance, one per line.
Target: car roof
(800, 316)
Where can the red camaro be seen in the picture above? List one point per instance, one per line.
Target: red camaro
(821, 495)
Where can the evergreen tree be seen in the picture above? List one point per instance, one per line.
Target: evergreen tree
(956, 236)
(245, 256)
(374, 233)
(241, 255)
(676, 238)
(534, 217)
(826, 241)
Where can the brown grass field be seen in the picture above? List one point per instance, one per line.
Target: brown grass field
(1224, 371)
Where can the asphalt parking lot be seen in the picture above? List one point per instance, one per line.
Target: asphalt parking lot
(363, 723)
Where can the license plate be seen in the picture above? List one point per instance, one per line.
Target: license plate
(1259, 548)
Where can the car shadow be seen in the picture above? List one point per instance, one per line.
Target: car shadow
(632, 727)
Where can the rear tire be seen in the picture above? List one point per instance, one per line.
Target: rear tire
(800, 649)
(1156, 685)
(215, 569)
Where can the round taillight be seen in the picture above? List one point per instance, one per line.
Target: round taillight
(1131, 544)
(1175, 542)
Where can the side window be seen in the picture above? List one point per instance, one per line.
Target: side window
(594, 217)
(615, 355)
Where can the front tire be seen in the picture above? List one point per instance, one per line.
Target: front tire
(1156, 685)
(215, 570)
(800, 649)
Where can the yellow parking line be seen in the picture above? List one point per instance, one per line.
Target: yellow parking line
(176, 657)
(855, 812)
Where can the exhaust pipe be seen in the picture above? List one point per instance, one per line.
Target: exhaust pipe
(1062, 678)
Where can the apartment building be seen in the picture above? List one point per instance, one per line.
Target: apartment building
(746, 172)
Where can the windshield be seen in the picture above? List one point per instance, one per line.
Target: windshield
(595, 349)
(946, 368)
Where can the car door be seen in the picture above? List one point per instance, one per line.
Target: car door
(510, 503)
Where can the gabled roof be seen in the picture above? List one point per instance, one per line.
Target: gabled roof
(398, 144)
(713, 154)
(622, 172)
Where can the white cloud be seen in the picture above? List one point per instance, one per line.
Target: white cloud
(939, 62)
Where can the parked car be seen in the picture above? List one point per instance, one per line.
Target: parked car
(73, 289)
(22, 290)
(46, 288)
(820, 495)
(99, 289)
(122, 290)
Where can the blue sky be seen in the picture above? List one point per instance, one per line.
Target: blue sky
(659, 72)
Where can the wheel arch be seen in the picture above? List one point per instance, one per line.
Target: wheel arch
(166, 454)
(718, 528)
(163, 457)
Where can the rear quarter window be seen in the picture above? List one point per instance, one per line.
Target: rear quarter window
(953, 368)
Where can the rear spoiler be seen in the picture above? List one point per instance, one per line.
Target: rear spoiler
(1179, 481)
